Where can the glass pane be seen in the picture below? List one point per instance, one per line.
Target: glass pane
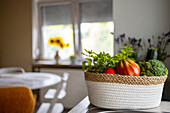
(56, 21)
(97, 25)
(97, 36)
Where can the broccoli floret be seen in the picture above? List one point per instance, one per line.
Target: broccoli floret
(159, 68)
(153, 68)
(140, 64)
(141, 67)
(147, 65)
(148, 73)
(165, 72)
(157, 63)
(142, 73)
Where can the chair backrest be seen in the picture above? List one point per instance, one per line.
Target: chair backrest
(6, 70)
(62, 92)
(16, 100)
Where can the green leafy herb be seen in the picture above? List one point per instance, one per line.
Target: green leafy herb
(126, 53)
(99, 62)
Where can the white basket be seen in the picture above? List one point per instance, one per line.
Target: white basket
(123, 96)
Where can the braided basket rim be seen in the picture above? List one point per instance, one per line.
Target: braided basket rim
(124, 79)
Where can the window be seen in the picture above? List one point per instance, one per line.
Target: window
(96, 25)
(85, 24)
(56, 21)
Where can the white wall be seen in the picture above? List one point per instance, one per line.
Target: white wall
(142, 18)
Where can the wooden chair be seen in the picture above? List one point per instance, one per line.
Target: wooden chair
(16, 100)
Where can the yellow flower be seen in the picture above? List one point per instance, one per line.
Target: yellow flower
(58, 41)
(67, 45)
(62, 46)
(51, 41)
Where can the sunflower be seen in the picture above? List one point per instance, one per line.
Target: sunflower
(58, 41)
(51, 41)
(62, 46)
(67, 45)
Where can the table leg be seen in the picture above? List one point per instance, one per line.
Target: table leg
(36, 94)
(35, 69)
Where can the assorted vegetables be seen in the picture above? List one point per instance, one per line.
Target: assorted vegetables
(123, 63)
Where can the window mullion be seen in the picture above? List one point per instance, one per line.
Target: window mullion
(73, 23)
(77, 40)
(40, 43)
(79, 28)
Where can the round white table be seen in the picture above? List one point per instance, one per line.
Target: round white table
(35, 81)
(29, 79)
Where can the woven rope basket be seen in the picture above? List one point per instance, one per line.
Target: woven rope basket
(115, 91)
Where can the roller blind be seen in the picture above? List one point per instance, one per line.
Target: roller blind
(96, 11)
(56, 14)
(90, 11)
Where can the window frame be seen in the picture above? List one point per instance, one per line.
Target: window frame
(75, 19)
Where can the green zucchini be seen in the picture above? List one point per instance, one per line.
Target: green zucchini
(152, 54)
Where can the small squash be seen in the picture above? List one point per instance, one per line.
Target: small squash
(152, 54)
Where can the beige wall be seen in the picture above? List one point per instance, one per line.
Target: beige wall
(16, 33)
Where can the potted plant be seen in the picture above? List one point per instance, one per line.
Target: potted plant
(59, 44)
(72, 58)
(161, 44)
(141, 48)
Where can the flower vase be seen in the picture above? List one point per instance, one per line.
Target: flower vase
(57, 57)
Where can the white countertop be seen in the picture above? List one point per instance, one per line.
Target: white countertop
(85, 107)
